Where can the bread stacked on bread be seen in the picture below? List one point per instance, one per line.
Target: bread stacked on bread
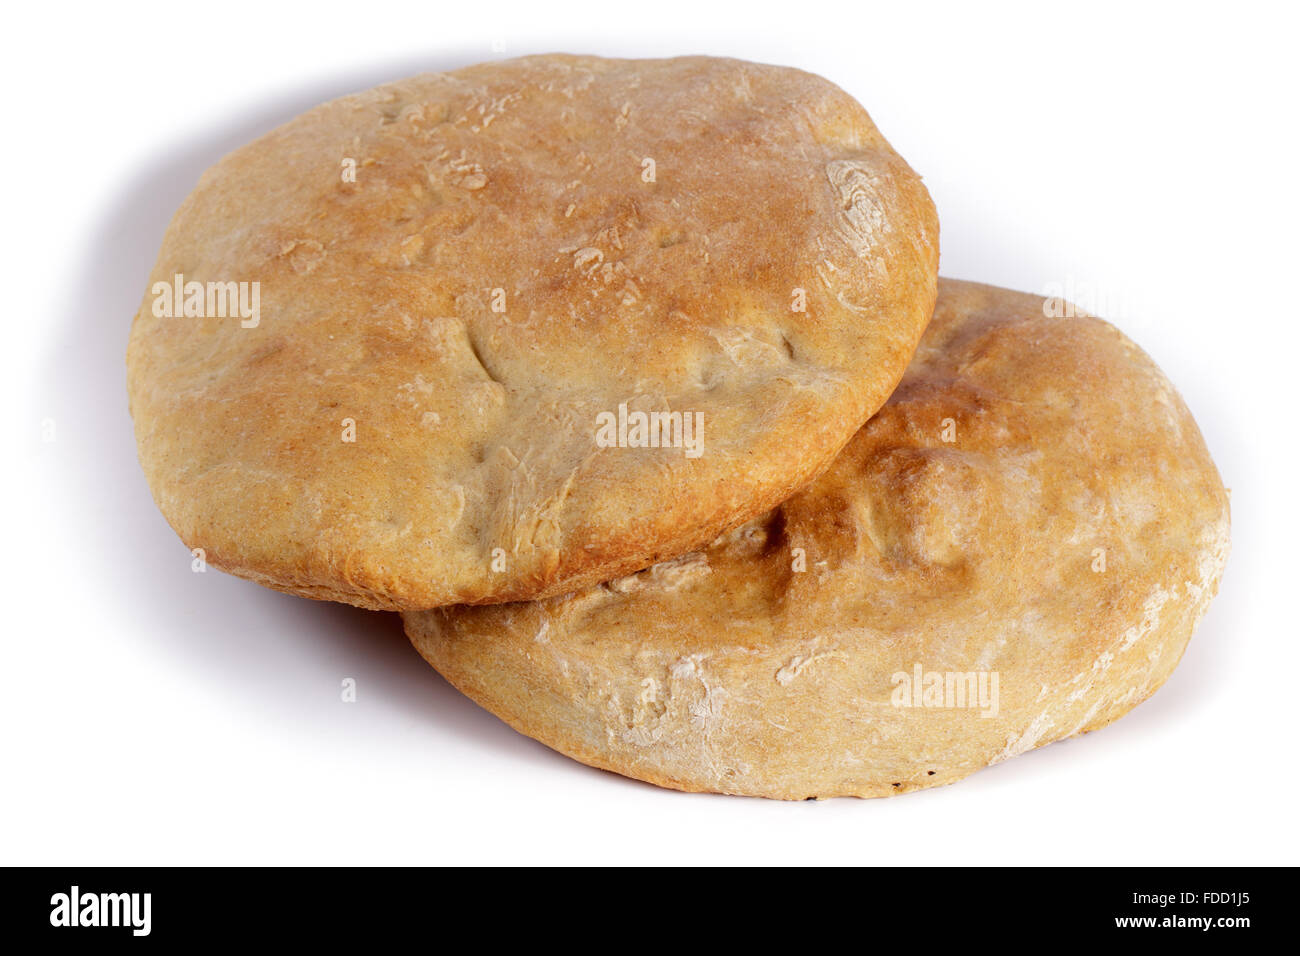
(624, 380)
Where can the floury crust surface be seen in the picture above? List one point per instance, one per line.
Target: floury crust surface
(1034, 504)
(527, 245)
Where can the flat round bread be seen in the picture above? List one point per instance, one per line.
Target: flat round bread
(513, 330)
(1013, 551)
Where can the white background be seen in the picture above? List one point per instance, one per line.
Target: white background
(152, 715)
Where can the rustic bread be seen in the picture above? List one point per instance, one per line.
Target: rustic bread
(464, 278)
(1033, 517)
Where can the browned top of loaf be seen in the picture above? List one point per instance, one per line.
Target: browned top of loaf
(523, 184)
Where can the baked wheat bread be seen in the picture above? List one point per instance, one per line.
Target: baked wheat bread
(1033, 517)
(462, 279)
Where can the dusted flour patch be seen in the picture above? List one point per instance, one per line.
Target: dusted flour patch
(507, 332)
(1014, 550)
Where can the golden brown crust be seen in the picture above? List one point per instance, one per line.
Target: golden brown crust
(523, 185)
(1034, 501)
